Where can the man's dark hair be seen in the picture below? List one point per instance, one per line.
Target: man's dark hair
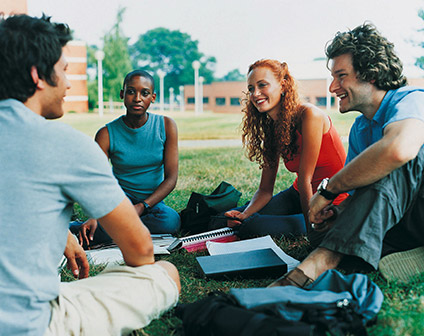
(26, 42)
(373, 56)
(140, 73)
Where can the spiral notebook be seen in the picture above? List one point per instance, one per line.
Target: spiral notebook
(198, 242)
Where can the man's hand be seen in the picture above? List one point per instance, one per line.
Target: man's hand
(77, 259)
(89, 226)
(319, 209)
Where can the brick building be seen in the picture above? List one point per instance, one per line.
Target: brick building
(76, 99)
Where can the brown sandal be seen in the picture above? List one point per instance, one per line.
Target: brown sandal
(295, 277)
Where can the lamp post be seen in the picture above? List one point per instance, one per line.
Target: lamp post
(201, 80)
(161, 75)
(100, 55)
(181, 98)
(171, 99)
(328, 98)
(196, 66)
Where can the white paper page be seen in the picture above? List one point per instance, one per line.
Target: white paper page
(114, 255)
(215, 248)
(105, 256)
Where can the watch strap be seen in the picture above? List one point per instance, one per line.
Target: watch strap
(146, 208)
(327, 194)
(324, 192)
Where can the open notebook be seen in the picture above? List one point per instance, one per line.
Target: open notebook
(111, 254)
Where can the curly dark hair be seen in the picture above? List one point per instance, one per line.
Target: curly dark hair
(373, 56)
(267, 140)
(25, 42)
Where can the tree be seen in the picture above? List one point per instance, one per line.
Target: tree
(420, 60)
(117, 60)
(92, 76)
(173, 52)
(233, 75)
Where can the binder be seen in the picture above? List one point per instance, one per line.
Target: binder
(198, 242)
(256, 263)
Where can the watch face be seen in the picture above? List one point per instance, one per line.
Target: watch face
(322, 190)
(323, 184)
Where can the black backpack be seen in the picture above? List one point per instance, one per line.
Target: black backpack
(200, 208)
(219, 315)
(334, 303)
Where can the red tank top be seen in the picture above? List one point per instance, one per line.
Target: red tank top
(331, 159)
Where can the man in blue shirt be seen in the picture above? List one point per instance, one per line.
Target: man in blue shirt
(45, 167)
(384, 217)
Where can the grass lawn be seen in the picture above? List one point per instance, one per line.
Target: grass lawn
(191, 127)
(202, 170)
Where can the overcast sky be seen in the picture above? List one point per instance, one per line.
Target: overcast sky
(238, 32)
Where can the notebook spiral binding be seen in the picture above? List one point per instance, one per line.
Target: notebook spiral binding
(198, 242)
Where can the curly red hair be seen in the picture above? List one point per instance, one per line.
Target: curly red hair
(267, 140)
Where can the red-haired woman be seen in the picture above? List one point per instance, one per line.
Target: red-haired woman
(277, 125)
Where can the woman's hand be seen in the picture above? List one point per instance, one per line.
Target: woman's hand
(234, 218)
(139, 208)
(89, 226)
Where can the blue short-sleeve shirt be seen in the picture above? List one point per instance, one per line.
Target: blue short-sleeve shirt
(404, 103)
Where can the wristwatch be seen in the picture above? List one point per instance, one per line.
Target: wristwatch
(322, 190)
(146, 208)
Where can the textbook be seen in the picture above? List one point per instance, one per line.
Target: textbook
(256, 263)
(259, 243)
(197, 242)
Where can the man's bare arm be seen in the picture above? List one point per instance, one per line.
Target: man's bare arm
(130, 234)
(401, 142)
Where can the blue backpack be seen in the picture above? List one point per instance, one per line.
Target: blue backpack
(334, 303)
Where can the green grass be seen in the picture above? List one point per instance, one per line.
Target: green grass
(192, 127)
(202, 170)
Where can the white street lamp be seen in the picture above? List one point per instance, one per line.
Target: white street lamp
(201, 80)
(161, 75)
(171, 99)
(196, 66)
(181, 98)
(100, 55)
(328, 100)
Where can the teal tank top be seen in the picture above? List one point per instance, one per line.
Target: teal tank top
(137, 155)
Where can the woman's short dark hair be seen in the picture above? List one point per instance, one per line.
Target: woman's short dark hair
(373, 56)
(26, 42)
(140, 73)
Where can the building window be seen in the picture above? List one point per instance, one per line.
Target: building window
(190, 100)
(322, 101)
(205, 100)
(220, 101)
(234, 101)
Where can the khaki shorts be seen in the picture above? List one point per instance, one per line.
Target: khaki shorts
(115, 302)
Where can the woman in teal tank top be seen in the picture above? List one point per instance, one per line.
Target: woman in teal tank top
(143, 150)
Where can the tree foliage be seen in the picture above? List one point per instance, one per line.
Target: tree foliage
(158, 49)
(233, 75)
(117, 62)
(172, 52)
(420, 60)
